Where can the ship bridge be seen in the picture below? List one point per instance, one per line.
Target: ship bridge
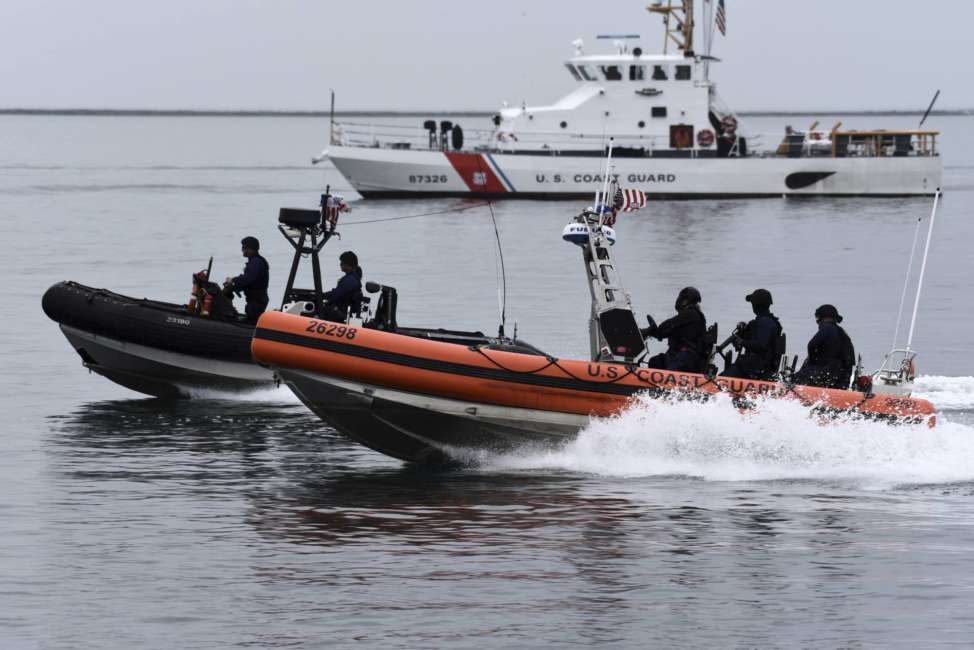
(630, 96)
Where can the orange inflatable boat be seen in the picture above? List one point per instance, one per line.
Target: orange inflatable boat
(426, 400)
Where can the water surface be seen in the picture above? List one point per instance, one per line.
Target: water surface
(219, 522)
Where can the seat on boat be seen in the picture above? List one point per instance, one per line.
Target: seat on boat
(622, 333)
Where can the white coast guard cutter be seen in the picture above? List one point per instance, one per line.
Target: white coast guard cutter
(674, 138)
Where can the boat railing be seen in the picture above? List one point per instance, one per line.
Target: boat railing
(399, 136)
(898, 367)
(793, 144)
(858, 144)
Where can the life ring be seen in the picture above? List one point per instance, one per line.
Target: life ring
(705, 137)
(729, 124)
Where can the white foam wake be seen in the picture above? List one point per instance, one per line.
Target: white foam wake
(778, 440)
(946, 392)
(277, 395)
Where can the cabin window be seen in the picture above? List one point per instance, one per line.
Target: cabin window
(659, 73)
(641, 124)
(563, 124)
(637, 72)
(659, 111)
(683, 73)
(611, 72)
(585, 72)
(574, 72)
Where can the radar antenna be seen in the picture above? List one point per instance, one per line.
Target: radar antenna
(678, 22)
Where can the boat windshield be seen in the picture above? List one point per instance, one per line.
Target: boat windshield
(586, 72)
(611, 72)
(574, 72)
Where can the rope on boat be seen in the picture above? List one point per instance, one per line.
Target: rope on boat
(551, 362)
(741, 400)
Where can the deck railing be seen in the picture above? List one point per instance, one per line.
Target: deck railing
(835, 143)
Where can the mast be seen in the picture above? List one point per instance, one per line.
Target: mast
(331, 120)
(678, 23)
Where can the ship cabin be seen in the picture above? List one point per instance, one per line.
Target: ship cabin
(652, 105)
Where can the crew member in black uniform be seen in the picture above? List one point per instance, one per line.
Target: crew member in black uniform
(757, 341)
(831, 356)
(347, 295)
(685, 334)
(253, 281)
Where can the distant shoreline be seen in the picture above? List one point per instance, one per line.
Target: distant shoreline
(138, 112)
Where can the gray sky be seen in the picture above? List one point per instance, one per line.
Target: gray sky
(457, 54)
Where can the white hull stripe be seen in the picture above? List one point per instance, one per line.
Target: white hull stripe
(500, 174)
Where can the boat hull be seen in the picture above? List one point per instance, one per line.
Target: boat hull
(391, 173)
(163, 373)
(427, 401)
(423, 428)
(151, 347)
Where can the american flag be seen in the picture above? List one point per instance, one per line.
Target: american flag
(336, 204)
(721, 18)
(629, 200)
(626, 201)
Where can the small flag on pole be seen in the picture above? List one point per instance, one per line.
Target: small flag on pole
(721, 18)
(336, 205)
(629, 200)
(626, 201)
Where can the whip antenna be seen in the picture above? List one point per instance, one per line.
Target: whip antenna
(923, 268)
(906, 282)
(502, 289)
(929, 108)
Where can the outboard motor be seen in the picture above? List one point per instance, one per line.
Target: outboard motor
(430, 126)
(385, 309)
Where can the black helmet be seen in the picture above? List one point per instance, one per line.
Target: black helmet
(828, 311)
(759, 298)
(250, 242)
(348, 257)
(687, 296)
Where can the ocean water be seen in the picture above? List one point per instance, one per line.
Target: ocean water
(226, 521)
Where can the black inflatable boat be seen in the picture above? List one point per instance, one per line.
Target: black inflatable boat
(168, 350)
(153, 347)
